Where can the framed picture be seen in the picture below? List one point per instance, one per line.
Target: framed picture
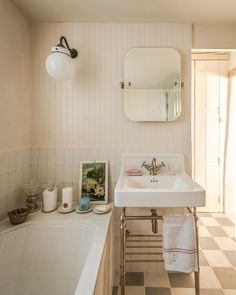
(94, 181)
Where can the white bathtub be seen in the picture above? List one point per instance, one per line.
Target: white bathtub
(52, 254)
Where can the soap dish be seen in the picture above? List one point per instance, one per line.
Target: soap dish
(134, 172)
(102, 209)
(83, 211)
(61, 210)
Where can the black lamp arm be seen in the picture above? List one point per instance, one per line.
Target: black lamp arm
(73, 52)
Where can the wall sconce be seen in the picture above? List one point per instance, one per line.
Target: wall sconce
(59, 64)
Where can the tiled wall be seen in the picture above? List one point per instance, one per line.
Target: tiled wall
(63, 164)
(14, 172)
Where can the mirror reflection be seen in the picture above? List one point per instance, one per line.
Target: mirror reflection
(152, 86)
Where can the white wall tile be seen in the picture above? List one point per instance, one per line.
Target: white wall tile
(19, 198)
(25, 158)
(68, 176)
(76, 170)
(3, 163)
(11, 185)
(69, 156)
(1, 186)
(11, 201)
(51, 171)
(42, 173)
(76, 156)
(19, 160)
(51, 157)
(34, 156)
(19, 178)
(60, 156)
(26, 175)
(11, 161)
(4, 185)
(60, 174)
(75, 192)
(3, 206)
(34, 172)
(43, 155)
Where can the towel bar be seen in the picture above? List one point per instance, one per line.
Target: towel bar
(147, 260)
(126, 237)
(156, 236)
(143, 217)
(143, 253)
(143, 247)
(144, 241)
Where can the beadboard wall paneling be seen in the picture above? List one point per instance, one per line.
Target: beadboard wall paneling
(87, 112)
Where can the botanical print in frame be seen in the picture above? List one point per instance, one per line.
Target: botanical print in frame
(94, 181)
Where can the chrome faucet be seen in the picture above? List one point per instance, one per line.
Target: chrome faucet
(153, 168)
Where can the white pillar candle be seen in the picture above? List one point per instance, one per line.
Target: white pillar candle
(67, 198)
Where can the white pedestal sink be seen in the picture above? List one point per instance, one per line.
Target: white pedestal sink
(171, 187)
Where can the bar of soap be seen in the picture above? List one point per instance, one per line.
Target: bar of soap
(134, 172)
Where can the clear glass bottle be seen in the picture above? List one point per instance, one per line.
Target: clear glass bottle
(32, 190)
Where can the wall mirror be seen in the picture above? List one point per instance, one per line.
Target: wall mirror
(152, 84)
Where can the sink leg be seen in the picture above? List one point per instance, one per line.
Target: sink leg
(197, 273)
(154, 221)
(122, 250)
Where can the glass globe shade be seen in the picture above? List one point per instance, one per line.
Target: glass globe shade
(59, 65)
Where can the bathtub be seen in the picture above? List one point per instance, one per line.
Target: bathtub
(52, 254)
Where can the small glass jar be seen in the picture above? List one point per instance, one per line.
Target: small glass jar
(84, 204)
(32, 190)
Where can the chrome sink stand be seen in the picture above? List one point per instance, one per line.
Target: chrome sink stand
(125, 239)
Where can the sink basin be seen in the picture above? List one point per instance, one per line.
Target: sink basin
(162, 190)
(153, 183)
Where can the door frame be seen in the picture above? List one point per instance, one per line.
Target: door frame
(208, 55)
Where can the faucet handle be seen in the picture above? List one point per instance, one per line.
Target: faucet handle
(143, 165)
(163, 164)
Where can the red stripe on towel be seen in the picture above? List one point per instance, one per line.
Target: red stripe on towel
(180, 250)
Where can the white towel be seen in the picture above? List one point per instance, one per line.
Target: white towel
(179, 243)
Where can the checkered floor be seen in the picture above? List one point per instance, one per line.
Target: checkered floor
(217, 261)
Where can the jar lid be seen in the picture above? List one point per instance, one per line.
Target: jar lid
(50, 185)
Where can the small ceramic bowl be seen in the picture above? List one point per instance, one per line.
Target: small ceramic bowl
(18, 216)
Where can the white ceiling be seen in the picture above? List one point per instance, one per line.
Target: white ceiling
(187, 11)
